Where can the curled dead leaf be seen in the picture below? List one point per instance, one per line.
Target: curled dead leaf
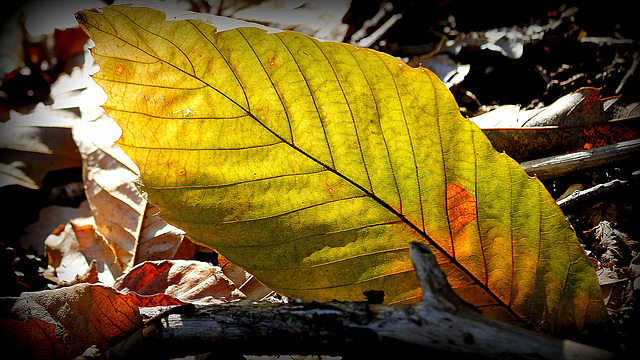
(191, 281)
(129, 224)
(90, 276)
(158, 240)
(71, 252)
(108, 175)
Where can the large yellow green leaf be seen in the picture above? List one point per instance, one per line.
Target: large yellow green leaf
(314, 164)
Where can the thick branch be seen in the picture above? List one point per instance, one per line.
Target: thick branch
(440, 324)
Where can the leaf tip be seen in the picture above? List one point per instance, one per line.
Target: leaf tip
(82, 16)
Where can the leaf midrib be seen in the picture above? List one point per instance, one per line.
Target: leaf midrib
(368, 193)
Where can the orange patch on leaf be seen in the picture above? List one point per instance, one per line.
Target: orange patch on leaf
(119, 69)
(461, 208)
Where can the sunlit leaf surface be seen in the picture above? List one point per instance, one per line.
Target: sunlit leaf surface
(314, 164)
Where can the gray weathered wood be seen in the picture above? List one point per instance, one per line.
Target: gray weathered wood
(561, 165)
(441, 324)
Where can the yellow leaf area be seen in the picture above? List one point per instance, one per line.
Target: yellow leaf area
(314, 164)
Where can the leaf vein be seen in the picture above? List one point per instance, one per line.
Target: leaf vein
(149, 85)
(405, 248)
(246, 98)
(294, 210)
(161, 37)
(354, 283)
(444, 164)
(413, 151)
(384, 139)
(272, 244)
(198, 149)
(177, 118)
(353, 120)
(478, 218)
(273, 86)
(213, 186)
(295, 61)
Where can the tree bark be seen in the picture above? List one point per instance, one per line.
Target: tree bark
(441, 324)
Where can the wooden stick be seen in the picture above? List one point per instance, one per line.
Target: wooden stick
(561, 165)
(441, 324)
(598, 191)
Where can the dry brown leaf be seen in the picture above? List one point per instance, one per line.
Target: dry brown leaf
(118, 207)
(581, 107)
(247, 283)
(577, 121)
(122, 215)
(191, 281)
(158, 240)
(71, 251)
(62, 323)
(155, 300)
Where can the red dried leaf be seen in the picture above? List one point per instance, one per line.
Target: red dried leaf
(155, 300)
(63, 323)
(192, 281)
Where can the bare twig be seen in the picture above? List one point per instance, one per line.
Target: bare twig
(371, 39)
(580, 196)
(561, 165)
(360, 34)
(633, 67)
(440, 324)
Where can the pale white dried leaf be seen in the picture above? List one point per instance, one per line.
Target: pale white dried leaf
(71, 252)
(12, 174)
(117, 205)
(158, 240)
(187, 280)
